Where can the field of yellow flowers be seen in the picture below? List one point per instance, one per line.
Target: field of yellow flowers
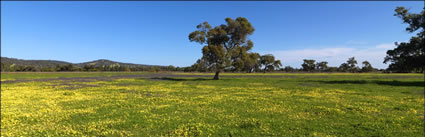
(48, 104)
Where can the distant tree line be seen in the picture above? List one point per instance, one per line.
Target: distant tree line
(252, 62)
(88, 68)
(309, 65)
(267, 63)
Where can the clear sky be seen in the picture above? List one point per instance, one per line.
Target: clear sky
(156, 33)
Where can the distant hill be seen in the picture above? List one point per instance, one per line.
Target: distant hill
(53, 63)
(104, 62)
(35, 63)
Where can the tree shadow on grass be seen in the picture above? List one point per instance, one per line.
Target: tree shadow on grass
(379, 82)
(179, 79)
(402, 83)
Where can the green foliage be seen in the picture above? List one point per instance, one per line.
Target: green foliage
(332, 69)
(171, 68)
(251, 62)
(344, 67)
(269, 63)
(4, 67)
(309, 65)
(351, 62)
(322, 66)
(289, 69)
(154, 69)
(226, 44)
(349, 66)
(68, 67)
(409, 56)
(201, 65)
(367, 67)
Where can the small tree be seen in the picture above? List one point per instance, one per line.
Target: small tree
(367, 67)
(69, 67)
(251, 62)
(4, 67)
(289, 69)
(126, 69)
(351, 62)
(322, 66)
(88, 67)
(171, 68)
(269, 63)
(308, 65)
(344, 67)
(154, 69)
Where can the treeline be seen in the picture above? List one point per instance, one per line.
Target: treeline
(88, 68)
(253, 62)
(267, 63)
(310, 65)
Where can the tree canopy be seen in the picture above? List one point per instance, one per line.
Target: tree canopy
(367, 67)
(409, 56)
(269, 63)
(309, 65)
(351, 62)
(225, 44)
(322, 66)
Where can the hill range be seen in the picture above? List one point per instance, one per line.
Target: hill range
(53, 63)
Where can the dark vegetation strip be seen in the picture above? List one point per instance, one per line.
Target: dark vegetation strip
(109, 78)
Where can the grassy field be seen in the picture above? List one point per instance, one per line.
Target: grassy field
(41, 75)
(265, 105)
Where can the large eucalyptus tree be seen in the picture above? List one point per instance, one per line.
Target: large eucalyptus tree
(223, 44)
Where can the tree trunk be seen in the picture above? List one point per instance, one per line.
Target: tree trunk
(216, 75)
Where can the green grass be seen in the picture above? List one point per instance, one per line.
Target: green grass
(295, 105)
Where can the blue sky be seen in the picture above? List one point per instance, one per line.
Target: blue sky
(157, 32)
